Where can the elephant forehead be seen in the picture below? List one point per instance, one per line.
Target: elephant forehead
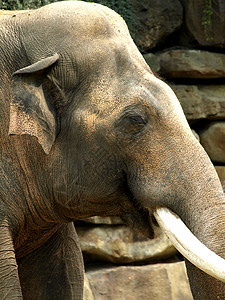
(63, 26)
(81, 18)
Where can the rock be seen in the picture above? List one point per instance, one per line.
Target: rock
(104, 220)
(87, 290)
(120, 244)
(191, 64)
(157, 281)
(152, 60)
(155, 20)
(202, 101)
(221, 173)
(205, 20)
(212, 139)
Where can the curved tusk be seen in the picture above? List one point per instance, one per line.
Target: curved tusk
(188, 245)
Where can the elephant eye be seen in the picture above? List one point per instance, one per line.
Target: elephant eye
(136, 120)
(133, 124)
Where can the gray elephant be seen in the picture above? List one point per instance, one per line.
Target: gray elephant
(87, 129)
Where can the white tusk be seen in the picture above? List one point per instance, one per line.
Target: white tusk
(188, 245)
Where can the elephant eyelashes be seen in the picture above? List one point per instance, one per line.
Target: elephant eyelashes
(132, 124)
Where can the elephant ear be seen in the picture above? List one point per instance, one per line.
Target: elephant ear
(30, 110)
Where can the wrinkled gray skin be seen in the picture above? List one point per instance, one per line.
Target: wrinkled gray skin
(91, 132)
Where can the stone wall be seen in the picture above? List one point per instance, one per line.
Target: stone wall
(182, 41)
(122, 264)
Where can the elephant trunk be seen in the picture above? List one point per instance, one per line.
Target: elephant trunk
(204, 215)
(185, 181)
(202, 209)
(208, 225)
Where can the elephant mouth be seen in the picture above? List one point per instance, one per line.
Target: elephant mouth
(137, 217)
(180, 236)
(142, 219)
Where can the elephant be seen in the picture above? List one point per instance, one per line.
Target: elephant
(88, 129)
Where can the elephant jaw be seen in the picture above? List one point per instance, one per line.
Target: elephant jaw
(188, 245)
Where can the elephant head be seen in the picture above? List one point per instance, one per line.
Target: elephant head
(114, 138)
